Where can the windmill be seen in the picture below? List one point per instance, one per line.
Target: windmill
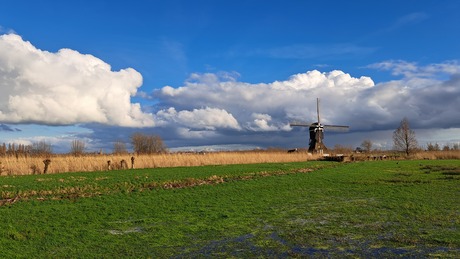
(316, 129)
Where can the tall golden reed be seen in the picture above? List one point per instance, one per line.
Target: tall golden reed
(65, 163)
(11, 165)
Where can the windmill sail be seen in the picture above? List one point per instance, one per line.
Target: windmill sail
(317, 110)
(336, 127)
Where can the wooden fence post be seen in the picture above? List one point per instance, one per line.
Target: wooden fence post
(132, 162)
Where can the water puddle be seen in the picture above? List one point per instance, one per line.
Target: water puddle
(127, 231)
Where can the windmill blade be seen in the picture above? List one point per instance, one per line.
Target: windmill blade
(336, 127)
(299, 124)
(317, 109)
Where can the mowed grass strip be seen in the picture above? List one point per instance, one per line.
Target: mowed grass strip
(365, 209)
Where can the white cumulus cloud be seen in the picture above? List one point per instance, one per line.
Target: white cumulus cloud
(425, 97)
(267, 107)
(65, 87)
(207, 118)
(262, 122)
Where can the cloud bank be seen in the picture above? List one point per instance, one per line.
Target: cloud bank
(65, 88)
(429, 96)
(261, 107)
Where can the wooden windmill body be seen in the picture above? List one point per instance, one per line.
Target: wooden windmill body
(316, 130)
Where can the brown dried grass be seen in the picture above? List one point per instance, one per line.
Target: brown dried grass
(435, 155)
(66, 163)
(11, 165)
(391, 155)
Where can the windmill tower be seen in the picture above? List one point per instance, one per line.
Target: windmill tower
(316, 144)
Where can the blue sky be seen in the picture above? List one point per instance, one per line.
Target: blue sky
(201, 73)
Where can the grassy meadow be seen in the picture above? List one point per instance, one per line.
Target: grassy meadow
(300, 209)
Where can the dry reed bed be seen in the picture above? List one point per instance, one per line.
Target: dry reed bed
(433, 155)
(422, 155)
(65, 163)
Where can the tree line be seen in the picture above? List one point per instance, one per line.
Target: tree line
(40, 148)
(141, 144)
(404, 139)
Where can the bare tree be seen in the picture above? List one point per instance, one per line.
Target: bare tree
(41, 148)
(404, 138)
(446, 147)
(432, 147)
(147, 144)
(366, 145)
(77, 147)
(119, 147)
(3, 149)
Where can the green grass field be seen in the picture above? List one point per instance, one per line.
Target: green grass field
(315, 209)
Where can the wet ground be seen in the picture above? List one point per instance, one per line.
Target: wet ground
(249, 246)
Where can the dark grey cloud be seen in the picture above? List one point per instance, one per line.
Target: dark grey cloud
(4, 127)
